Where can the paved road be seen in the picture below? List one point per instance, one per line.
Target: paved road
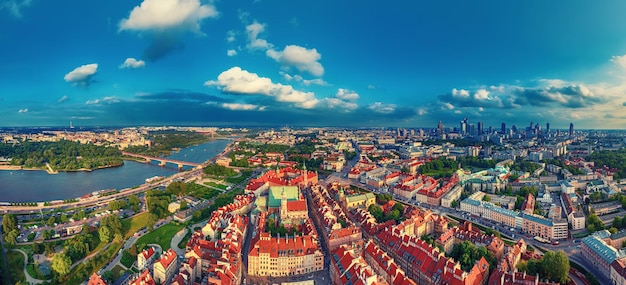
(176, 239)
(29, 278)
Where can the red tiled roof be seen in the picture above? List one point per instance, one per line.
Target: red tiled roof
(299, 205)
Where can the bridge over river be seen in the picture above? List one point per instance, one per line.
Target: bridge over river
(162, 160)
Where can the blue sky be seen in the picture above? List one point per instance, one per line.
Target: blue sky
(312, 63)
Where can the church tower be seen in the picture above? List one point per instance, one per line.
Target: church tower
(283, 205)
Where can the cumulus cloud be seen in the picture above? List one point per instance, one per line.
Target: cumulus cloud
(231, 52)
(307, 82)
(105, 100)
(242, 107)
(238, 81)
(63, 99)
(383, 108)
(15, 6)
(25, 110)
(343, 99)
(346, 94)
(254, 42)
(460, 93)
(166, 21)
(565, 95)
(619, 60)
(133, 63)
(303, 59)
(231, 36)
(82, 75)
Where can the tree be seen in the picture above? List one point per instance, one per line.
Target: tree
(486, 198)
(134, 200)
(9, 222)
(613, 230)
(114, 205)
(61, 264)
(46, 234)
(105, 234)
(617, 222)
(36, 248)
(152, 219)
(183, 205)
(11, 236)
(556, 266)
(177, 188)
(64, 218)
(51, 221)
(108, 275)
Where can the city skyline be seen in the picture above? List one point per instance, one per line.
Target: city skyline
(192, 62)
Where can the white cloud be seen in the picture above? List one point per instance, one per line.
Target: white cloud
(481, 94)
(133, 63)
(307, 82)
(345, 94)
(241, 107)
(238, 81)
(231, 36)
(383, 108)
(25, 110)
(422, 111)
(168, 14)
(82, 74)
(231, 52)
(334, 102)
(620, 60)
(460, 93)
(105, 100)
(15, 6)
(254, 43)
(448, 106)
(303, 59)
(370, 86)
(63, 99)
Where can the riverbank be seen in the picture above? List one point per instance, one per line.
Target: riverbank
(49, 169)
(25, 186)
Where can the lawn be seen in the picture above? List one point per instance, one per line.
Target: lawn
(219, 186)
(132, 225)
(15, 262)
(161, 236)
(203, 192)
(244, 175)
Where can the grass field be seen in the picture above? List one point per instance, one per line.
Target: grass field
(161, 236)
(132, 225)
(244, 175)
(15, 262)
(219, 186)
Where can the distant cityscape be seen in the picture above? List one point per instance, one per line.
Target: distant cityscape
(468, 204)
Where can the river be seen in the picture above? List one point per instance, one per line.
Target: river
(26, 185)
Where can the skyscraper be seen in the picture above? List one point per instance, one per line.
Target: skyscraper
(463, 125)
(547, 128)
(571, 130)
(480, 128)
(440, 127)
(503, 128)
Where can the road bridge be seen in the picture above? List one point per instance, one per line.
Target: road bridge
(162, 160)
